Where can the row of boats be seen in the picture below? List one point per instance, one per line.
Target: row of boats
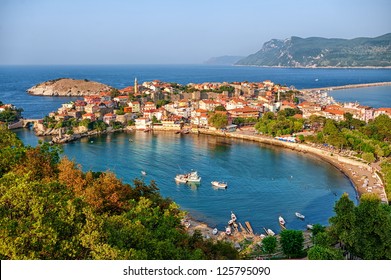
(193, 177)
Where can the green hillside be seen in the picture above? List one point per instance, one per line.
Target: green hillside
(322, 52)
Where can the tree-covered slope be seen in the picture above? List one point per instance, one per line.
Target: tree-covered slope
(322, 52)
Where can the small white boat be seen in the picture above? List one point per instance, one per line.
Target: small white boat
(270, 232)
(215, 231)
(143, 173)
(220, 185)
(281, 220)
(309, 226)
(228, 230)
(300, 216)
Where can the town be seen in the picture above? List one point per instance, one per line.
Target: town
(214, 106)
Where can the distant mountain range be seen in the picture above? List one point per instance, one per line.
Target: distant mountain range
(322, 52)
(224, 60)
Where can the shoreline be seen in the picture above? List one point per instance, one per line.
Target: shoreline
(378, 84)
(356, 171)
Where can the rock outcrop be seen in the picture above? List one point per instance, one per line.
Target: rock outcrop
(68, 87)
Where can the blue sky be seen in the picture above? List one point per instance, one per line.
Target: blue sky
(172, 31)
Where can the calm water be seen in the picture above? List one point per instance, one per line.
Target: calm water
(15, 80)
(264, 182)
(376, 97)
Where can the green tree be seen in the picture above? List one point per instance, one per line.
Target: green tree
(324, 253)
(269, 244)
(341, 225)
(372, 230)
(292, 243)
(218, 120)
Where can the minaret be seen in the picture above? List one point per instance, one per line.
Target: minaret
(135, 86)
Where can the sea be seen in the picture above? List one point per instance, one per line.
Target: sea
(263, 181)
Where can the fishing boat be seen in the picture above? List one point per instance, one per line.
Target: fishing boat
(143, 173)
(228, 230)
(220, 185)
(310, 227)
(281, 220)
(215, 231)
(191, 177)
(300, 216)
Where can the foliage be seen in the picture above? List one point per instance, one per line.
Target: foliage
(292, 243)
(324, 253)
(386, 170)
(365, 230)
(10, 115)
(218, 120)
(282, 124)
(269, 244)
(51, 209)
(220, 108)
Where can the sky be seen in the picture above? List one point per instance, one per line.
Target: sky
(172, 31)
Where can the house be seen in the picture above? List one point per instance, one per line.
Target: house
(148, 106)
(91, 108)
(235, 103)
(380, 111)
(207, 104)
(200, 120)
(109, 117)
(89, 116)
(135, 106)
(79, 105)
(122, 99)
(245, 112)
(143, 123)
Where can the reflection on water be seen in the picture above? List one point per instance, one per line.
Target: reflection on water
(263, 182)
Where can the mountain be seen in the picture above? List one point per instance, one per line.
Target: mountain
(323, 52)
(223, 60)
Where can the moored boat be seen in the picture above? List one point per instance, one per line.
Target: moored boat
(300, 216)
(228, 230)
(309, 226)
(191, 177)
(269, 232)
(220, 185)
(281, 220)
(143, 173)
(215, 231)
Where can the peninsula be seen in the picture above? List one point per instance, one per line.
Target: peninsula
(68, 87)
(323, 52)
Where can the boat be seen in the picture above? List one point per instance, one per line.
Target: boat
(281, 220)
(220, 185)
(191, 177)
(269, 232)
(143, 173)
(215, 231)
(309, 226)
(300, 216)
(228, 230)
(233, 218)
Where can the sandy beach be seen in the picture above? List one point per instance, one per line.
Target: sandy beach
(362, 175)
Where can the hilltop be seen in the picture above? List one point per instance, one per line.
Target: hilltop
(68, 87)
(323, 52)
(223, 60)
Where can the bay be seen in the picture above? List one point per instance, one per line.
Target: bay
(263, 181)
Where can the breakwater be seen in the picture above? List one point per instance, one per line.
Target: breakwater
(350, 86)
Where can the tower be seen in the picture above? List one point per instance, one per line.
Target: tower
(135, 86)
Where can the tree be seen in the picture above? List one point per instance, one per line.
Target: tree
(218, 120)
(292, 243)
(220, 108)
(269, 244)
(372, 230)
(341, 225)
(324, 253)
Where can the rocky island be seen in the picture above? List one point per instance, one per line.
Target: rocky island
(68, 87)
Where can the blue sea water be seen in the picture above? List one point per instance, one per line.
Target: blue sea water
(264, 182)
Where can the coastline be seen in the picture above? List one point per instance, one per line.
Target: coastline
(379, 84)
(356, 171)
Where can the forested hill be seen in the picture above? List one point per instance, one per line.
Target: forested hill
(323, 52)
